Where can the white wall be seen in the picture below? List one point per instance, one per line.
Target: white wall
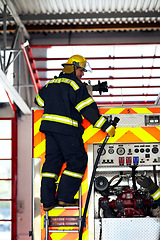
(24, 198)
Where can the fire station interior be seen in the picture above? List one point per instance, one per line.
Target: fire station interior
(121, 41)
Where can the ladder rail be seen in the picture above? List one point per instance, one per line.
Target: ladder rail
(47, 230)
(46, 225)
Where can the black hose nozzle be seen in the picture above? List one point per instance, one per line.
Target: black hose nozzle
(115, 121)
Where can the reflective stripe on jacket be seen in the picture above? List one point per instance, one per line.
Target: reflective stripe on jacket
(155, 193)
(65, 100)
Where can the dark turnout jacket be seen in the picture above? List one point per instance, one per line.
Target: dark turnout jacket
(65, 100)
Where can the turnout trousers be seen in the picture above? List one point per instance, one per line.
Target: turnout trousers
(59, 149)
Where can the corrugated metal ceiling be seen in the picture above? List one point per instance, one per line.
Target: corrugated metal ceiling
(83, 15)
(84, 6)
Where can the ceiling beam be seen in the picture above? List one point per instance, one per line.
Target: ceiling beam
(16, 17)
(101, 15)
(88, 27)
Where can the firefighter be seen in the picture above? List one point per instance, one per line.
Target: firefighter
(154, 190)
(65, 100)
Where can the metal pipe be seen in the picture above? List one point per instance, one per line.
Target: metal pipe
(16, 17)
(63, 231)
(93, 44)
(11, 52)
(131, 103)
(106, 69)
(33, 65)
(4, 35)
(47, 224)
(1, 63)
(10, 62)
(30, 68)
(98, 58)
(126, 95)
(110, 78)
(148, 86)
(14, 177)
(80, 207)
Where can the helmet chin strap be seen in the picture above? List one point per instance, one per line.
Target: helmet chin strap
(74, 70)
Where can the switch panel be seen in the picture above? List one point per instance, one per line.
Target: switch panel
(127, 154)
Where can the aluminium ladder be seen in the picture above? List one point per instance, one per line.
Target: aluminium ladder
(63, 221)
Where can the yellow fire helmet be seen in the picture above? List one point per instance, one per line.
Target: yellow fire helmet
(76, 61)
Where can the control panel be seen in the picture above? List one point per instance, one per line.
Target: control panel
(127, 154)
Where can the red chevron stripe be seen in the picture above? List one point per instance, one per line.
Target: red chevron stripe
(154, 110)
(103, 110)
(37, 115)
(38, 138)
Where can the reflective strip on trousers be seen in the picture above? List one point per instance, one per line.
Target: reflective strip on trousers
(73, 174)
(50, 175)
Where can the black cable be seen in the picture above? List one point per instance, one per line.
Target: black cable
(154, 174)
(114, 123)
(100, 234)
(133, 177)
(117, 183)
(90, 186)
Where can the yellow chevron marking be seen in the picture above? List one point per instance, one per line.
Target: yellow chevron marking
(115, 110)
(84, 186)
(82, 209)
(89, 132)
(141, 110)
(76, 214)
(85, 235)
(58, 236)
(42, 222)
(56, 212)
(40, 149)
(138, 131)
(119, 133)
(77, 195)
(37, 126)
(66, 228)
(143, 135)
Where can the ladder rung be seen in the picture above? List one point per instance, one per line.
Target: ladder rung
(63, 221)
(68, 231)
(67, 207)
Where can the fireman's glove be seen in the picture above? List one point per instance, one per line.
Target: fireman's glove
(110, 131)
(146, 182)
